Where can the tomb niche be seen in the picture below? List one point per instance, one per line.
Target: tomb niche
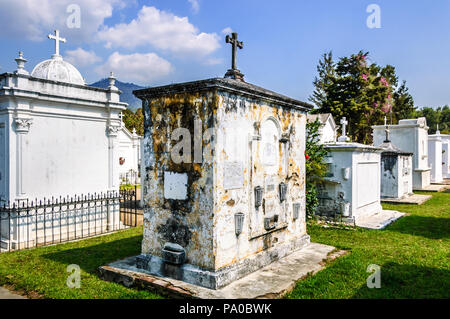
(240, 203)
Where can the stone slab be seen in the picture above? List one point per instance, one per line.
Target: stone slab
(6, 294)
(415, 199)
(433, 188)
(379, 220)
(445, 181)
(271, 281)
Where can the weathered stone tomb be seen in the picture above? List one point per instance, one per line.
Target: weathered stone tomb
(224, 180)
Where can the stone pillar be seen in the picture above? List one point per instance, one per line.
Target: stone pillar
(22, 126)
(113, 160)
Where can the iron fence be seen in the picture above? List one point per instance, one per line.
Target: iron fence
(27, 224)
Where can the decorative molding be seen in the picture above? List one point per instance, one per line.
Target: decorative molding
(113, 130)
(22, 124)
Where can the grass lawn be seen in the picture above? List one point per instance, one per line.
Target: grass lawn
(42, 272)
(413, 254)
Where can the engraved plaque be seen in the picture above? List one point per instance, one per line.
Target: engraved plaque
(233, 175)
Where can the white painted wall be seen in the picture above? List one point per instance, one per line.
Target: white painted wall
(435, 157)
(445, 156)
(61, 138)
(130, 150)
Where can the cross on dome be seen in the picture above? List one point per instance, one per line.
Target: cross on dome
(57, 40)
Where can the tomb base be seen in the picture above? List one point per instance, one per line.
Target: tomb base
(154, 265)
(271, 281)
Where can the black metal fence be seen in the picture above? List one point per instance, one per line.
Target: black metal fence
(28, 224)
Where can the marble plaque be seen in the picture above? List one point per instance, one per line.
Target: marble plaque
(233, 175)
(175, 185)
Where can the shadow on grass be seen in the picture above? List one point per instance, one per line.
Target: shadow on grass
(91, 257)
(408, 281)
(429, 227)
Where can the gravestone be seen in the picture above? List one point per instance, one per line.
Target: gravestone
(351, 189)
(224, 179)
(410, 136)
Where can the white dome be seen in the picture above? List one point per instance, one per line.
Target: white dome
(57, 69)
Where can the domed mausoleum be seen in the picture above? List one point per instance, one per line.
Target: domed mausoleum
(56, 69)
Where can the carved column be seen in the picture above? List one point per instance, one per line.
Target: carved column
(22, 126)
(113, 160)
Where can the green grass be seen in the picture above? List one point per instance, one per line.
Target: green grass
(42, 272)
(413, 254)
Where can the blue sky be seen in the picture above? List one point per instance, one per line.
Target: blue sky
(163, 41)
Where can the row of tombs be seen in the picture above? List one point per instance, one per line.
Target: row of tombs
(242, 204)
(222, 171)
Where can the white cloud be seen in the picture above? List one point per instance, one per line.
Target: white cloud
(81, 57)
(227, 30)
(33, 20)
(163, 31)
(195, 5)
(139, 68)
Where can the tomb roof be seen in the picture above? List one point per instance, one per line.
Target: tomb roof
(57, 69)
(225, 84)
(351, 146)
(389, 148)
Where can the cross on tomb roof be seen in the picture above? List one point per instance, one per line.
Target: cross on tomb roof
(344, 137)
(57, 40)
(234, 73)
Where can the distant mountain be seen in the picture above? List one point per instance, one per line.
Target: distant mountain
(127, 92)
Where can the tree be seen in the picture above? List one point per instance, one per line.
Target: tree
(315, 166)
(440, 115)
(364, 93)
(134, 120)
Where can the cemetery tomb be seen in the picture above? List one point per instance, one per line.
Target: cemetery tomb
(396, 170)
(328, 129)
(410, 136)
(224, 180)
(59, 138)
(351, 189)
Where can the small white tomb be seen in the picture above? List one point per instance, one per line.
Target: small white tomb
(129, 156)
(410, 136)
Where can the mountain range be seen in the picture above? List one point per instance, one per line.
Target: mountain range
(127, 92)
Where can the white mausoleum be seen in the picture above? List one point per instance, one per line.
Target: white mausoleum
(410, 136)
(58, 136)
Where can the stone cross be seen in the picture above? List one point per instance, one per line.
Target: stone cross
(121, 117)
(234, 45)
(57, 39)
(344, 123)
(386, 130)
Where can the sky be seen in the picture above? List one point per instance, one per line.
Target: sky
(160, 42)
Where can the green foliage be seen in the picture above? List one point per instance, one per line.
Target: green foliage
(364, 93)
(315, 166)
(440, 115)
(134, 120)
